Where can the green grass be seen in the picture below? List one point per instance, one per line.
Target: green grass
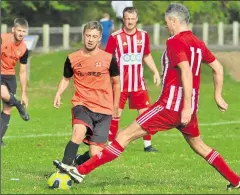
(175, 169)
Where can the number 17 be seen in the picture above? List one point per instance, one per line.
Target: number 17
(199, 52)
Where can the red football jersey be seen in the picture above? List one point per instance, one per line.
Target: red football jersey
(129, 51)
(184, 46)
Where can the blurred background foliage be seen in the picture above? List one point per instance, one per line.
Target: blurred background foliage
(76, 13)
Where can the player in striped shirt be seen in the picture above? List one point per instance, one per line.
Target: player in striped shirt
(131, 46)
(177, 105)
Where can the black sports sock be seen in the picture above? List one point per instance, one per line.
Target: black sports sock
(13, 101)
(70, 153)
(5, 118)
(82, 158)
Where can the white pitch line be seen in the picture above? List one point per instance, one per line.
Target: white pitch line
(69, 134)
(219, 123)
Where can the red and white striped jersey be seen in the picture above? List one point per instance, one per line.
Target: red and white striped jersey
(129, 51)
(182, 47)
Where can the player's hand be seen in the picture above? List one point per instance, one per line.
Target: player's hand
(115, 112)
(24, 100)
(222, 105)
(186, 116)
(156, 78)
(57, 101)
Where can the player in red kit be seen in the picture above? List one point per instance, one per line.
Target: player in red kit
(131, 47)
(178, 103)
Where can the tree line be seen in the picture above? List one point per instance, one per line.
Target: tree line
(78, 12)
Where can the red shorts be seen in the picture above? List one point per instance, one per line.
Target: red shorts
(137, 99)
(158, 118)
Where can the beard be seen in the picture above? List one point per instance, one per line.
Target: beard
(90, 49)
(16, 37)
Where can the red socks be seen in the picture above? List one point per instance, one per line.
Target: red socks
(108, 154)
(221, 166)
(113, 129)
(147, 137)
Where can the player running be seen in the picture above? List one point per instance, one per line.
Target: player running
(178, 103)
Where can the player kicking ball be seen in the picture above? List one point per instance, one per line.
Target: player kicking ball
(178, 104)
(96, 79)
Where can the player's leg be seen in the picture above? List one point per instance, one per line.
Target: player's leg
(112, 151)
(115, 121)
(191, 135)
(154, 119)
(140, 101)
(81, 123)
(6, 112)
(97, 139)
(8, 91)
(5, 118)
(147, 139)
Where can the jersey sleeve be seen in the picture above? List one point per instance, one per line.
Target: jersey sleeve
(176, 52)
(24, 58)
(113, 69)
(68, 71)
(147, 45)
(111, 45)
(207, 57)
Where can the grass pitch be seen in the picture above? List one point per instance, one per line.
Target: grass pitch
(26, 161)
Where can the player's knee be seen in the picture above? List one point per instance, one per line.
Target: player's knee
(77, 137)
(4, 92)
(7, 109)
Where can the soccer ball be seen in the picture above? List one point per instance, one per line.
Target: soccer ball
(59, 181)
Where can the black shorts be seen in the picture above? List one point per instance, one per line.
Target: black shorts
(97, 124)
(10, 82)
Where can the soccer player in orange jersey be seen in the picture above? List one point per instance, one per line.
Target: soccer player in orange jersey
(13, 49)
(178, 104)
(96, 78)
(131, 46)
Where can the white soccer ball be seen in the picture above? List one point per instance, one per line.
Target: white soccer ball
(59, 181)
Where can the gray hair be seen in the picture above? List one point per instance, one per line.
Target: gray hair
(93, 25)
(20, 22)
(179, 11)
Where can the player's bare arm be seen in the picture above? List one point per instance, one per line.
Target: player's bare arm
(148, 59)
(187, 80)
(218, 85)
(115, 77)
(61, 88)
(116, 95)
(23, 83)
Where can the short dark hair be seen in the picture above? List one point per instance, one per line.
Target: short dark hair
(93, 25)
(20, 22)
(130, 10)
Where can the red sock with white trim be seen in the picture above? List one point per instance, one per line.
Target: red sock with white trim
(215, 159)
(108, 154)
(113, 128)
